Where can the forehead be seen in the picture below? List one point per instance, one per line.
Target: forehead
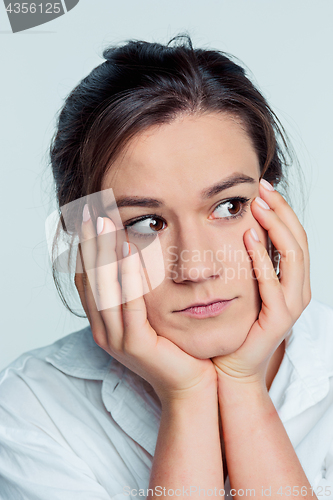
(191, 151)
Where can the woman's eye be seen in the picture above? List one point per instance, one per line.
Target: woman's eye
(144, 228)
(151, 225)
(231, 209)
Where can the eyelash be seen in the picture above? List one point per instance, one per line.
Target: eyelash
(244, 204)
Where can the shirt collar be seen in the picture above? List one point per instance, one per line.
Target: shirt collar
(78, 355)
(133, 404)
(303, 378)
(130, 400)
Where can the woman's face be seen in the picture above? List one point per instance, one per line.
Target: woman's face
(204, 254)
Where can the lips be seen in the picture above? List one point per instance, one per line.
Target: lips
(208, 310)
(203, 304)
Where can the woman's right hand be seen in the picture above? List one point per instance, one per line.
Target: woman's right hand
(124, 330)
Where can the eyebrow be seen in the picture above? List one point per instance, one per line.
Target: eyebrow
(206, 194)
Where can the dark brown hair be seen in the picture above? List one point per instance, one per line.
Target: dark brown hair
(141, 84)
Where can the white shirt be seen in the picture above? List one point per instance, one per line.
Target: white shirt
(76, 424)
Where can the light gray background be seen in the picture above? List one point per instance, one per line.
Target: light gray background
(287, 44)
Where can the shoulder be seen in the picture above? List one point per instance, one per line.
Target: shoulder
(51, 437)
(318, 319)
(316, 325)
(35, 357)
(25, 364)
(318, 311)
(35, 373)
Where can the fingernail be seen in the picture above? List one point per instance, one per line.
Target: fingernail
(100, 224)
(262, 203)
(85, 213)
(267, 185)
(125, 249)
(254, 234)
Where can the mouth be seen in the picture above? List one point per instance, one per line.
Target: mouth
(211, 309)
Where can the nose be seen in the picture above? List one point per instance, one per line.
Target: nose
(192, 257)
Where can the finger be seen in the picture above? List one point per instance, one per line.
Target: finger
(78, 280)
(88, 247)
(292, 262)
(274, 307)
(88, 260)
(138, 335)
(290, 219)
(107, 285)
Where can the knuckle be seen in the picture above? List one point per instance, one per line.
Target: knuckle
(298, 254)
(276, 282)
(305, 237)
(128, 346)
(99, 336)
(116, 351)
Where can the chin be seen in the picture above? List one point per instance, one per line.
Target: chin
(212, 337)
(202, 349)
(211, 342)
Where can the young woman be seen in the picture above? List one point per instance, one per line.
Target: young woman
(217, 380)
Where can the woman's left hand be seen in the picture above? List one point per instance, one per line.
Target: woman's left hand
(283, 298)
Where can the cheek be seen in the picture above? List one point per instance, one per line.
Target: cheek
(236, 240)
(157, 306)
(237, 256)
(227, 333)
(239, 266)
